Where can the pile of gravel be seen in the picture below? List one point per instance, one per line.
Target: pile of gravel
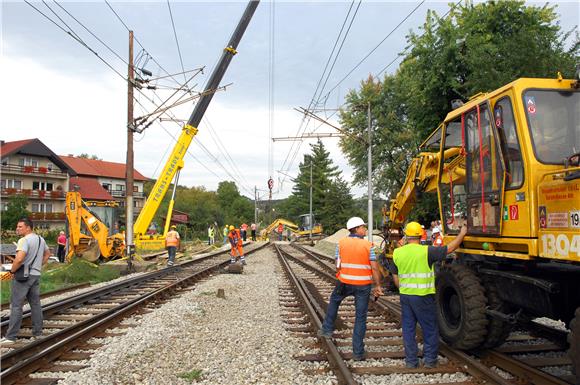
(237, 340)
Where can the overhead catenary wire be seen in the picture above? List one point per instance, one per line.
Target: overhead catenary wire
(176, 39)
(374, 49)
(76, 37)
(295, 147)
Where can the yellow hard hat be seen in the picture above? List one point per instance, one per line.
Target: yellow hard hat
(173, 226)
(413, 229)
(232, 227)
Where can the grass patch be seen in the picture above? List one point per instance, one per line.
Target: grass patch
(192, 375)
(56, 276)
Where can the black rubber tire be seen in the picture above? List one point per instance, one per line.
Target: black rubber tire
(461, 307)
(497, 330)
(574, 341)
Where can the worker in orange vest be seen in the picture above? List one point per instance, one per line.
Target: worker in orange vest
(436, 237)
(357, 269)
(236, 244)
(172, 241)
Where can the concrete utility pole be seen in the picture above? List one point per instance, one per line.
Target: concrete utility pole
(370, 181)
(130, 247)
(256, 205)
(310, 218)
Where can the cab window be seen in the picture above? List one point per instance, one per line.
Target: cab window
(506, 127)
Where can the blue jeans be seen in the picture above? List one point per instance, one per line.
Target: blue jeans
(420, 309)
(171, 250)
(31, 291)
(361, 295)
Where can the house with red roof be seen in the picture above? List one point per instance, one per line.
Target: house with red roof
(99, 181)
(32, 169)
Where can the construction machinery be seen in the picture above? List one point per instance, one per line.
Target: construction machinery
(80, 218)
(306, 228)
(170, 172)
(508, 163)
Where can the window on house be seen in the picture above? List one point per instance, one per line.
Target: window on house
(135, 188)
(120, 187)
(28, 162)
(106, 186)
(4, 161)
(47, 186)
(42, 207)
(4, 206)
(49, 166)
(11, 183)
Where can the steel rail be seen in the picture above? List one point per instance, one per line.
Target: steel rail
(80, 298)
(40, 353)
(529, 375)
(473, 367)
(335, 360)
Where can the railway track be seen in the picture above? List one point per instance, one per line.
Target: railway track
(311, 280)
(71, 322)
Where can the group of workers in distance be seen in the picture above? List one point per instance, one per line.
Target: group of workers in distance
(413, 273)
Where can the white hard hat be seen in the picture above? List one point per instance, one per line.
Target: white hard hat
(354, 222)
(436, 230)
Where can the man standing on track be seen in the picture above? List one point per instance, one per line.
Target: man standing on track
(414, 274)
(172, 244)
(31, 253)
(253, 228)
(244, 231)
(357, 268)
(236, 244)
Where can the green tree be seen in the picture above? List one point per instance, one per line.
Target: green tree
(236, 208)
(476, 48)
(16, 209)
(332, 203)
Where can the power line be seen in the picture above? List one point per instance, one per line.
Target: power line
(375, 48)
(176, 39)
(306, 119)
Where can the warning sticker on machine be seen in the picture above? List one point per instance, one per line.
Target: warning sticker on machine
(557, 220)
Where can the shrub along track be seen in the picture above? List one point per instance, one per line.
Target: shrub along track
(73, 321)
(311, 276)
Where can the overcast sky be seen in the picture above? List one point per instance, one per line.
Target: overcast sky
(55, 89)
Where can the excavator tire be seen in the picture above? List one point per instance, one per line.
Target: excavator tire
(574, 341)
(92, 252)
(497, 330)
(461, 307)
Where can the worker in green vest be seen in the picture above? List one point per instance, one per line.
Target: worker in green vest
(413, 273)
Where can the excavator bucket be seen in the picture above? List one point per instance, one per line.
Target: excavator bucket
(92, 253)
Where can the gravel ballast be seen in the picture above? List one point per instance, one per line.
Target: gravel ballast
(237, 340)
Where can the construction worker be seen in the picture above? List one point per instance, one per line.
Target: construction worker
(225, 232)
(413, 273)
(210, 235)
(253, 228)
(280, 231)
(357, 268)
(436, 237)
(172, 241)
(236, 244)
(244, 231)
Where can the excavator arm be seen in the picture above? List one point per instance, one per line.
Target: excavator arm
(422, 177)
(96, 245)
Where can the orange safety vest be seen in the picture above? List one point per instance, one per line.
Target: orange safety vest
(438, 241)
(355, 264)
(172, 238)
(235, 236)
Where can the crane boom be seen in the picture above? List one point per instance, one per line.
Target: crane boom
(175, 161)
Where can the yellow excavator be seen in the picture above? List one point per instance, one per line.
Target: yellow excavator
(507, 162)
(299, 232)
(108, 245)
(99, 243)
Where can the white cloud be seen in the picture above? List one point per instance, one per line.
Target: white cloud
(88, 115)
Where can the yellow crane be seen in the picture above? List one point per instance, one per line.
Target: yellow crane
(507, 162)
(174, 164)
